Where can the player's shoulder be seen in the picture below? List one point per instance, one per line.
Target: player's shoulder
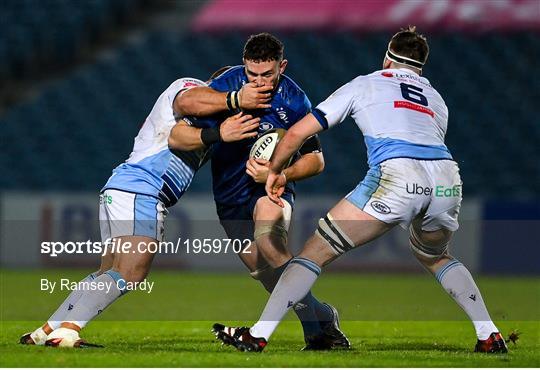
(291, 93)
(288, 86)
(186, 83)
(231, 78)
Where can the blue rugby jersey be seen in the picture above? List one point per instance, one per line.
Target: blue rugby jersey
(231, 184)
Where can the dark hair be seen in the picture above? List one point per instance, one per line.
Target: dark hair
(410, 44)
(219, 72)
(263, 47)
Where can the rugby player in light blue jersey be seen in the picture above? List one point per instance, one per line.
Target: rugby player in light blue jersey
(238, 180)
(133, 206)
(412, 181)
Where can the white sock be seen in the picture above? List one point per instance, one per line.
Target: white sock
(459, 283)
(94, 301)
(293, 285)
(60, 314)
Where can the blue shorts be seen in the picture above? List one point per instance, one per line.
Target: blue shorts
(237, 220)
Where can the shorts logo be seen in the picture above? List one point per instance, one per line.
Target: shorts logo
(105, 199)
(380, 207)
(440, 191)
(418, 189)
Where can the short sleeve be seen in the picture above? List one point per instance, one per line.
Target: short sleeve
(180, 86)
(337, 106)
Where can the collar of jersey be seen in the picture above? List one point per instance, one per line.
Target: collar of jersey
(407, 70)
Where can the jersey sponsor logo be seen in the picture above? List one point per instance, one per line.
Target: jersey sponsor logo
(380, 207)
(412, 106)
(190, 84)
(387, 74)
(282, 115)
(265, 126)
(408, 77)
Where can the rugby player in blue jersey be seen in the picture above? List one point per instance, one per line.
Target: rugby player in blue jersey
(238, 181)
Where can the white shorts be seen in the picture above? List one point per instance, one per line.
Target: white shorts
(127, 214)
(400, 190)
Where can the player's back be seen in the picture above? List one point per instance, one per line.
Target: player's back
(399, 113)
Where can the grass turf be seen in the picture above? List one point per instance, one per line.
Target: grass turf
(392, 321)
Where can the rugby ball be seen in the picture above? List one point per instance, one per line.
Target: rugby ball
(265, 145)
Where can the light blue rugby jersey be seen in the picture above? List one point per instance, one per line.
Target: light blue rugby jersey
(152, 169)
(399, 113)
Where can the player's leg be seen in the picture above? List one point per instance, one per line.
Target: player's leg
(431, 250)
(39, 336)
(60, 314)
(355, 220)
(135, 222)
(129, 267)
(319, 320)
(345, 227)
(430, 235)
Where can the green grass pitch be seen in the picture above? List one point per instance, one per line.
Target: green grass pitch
(391, 320)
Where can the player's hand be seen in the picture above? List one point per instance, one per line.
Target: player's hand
(258, 169)
(251, 96)
(275, 186)
(239, 127)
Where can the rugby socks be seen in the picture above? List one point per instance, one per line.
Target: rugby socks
(459, 284)
(108, 287)
(61, 312)
(304, 309)
(295, 282)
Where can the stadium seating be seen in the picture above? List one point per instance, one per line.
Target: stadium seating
(38, 34)
(73, 132)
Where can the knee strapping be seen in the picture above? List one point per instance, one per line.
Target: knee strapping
(275, 230)
(333, 235)
(424, 250)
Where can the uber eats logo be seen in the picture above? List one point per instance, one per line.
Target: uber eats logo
(105, 199)
(439, 191)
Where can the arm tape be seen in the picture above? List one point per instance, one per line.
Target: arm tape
(210, 135)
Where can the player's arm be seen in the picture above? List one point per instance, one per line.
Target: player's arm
(205, 101)
(310, 163)
(292, 141)
(289, 144)
(238, 127)
(330, 112)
